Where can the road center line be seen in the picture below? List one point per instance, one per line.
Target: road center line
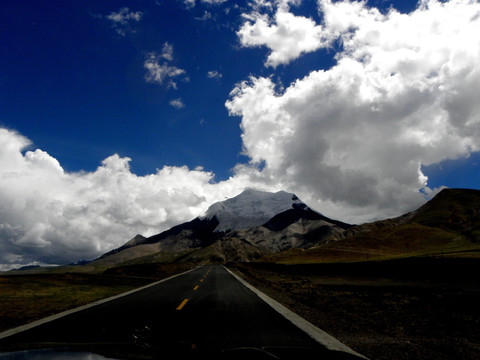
(182, 304)
(195, 288)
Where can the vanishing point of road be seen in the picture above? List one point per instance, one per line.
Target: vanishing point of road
(204, 313)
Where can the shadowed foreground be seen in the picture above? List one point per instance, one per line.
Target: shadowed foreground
(203, 312)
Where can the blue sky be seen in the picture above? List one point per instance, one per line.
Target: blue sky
(350, 105)
(76, 86)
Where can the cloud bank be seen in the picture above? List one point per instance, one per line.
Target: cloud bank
(401, 95)
(50, 216)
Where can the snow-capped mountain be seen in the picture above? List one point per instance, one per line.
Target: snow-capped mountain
(247, 226)
(250, 208)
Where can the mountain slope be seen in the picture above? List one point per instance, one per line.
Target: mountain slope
(227, 249)
(245, 227)
(447, 225)
(296, 212)
(453, 210)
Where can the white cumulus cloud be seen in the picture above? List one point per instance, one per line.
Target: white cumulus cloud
(353, 138)
(286, 35)
(49, 216)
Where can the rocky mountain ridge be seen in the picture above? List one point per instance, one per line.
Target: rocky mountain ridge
(243, 228)
(447, 224)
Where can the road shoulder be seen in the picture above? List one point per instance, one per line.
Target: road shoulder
(314, 332)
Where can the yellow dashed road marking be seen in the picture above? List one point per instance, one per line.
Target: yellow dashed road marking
(182, 304)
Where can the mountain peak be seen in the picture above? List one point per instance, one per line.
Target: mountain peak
(251, 208)
(137, 239)
(243, 227)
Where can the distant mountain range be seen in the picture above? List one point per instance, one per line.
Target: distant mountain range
(279, 227)
(253, 224)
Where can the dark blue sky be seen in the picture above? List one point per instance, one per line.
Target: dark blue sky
(76, 87)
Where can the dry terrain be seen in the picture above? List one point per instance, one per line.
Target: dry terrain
(423, 308)
(403, 309)
(26, 298)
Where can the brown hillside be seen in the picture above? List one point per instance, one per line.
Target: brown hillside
(447, 225)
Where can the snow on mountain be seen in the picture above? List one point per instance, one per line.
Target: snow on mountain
(251, 208)
(242, 228)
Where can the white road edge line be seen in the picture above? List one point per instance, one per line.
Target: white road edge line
(48, 319)
(314, 332)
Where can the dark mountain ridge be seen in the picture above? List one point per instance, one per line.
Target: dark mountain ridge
(448, 225)
(453, 210)
(299, 211)
(295, 225)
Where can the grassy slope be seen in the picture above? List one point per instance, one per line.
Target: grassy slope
(448, 225)
(453, 210)
(26, 298)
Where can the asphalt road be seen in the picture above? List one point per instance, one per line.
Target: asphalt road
(204, 313)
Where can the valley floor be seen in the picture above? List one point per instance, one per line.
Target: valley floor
(404, 309)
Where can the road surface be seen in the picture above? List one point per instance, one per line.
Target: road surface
(204, 312)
